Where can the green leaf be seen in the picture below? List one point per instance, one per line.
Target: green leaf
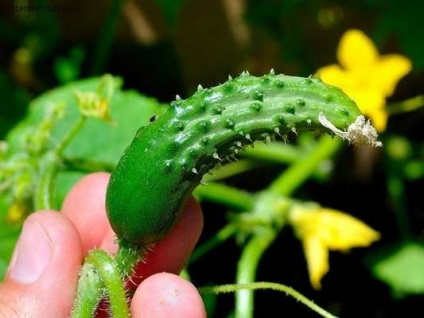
(97, 142)
(97, 146)
(401, 267)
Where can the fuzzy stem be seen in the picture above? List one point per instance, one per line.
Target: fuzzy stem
(89, 293)
(108, 271)
(44, 189)
(102, 274)
(127, 257)
(69, 136)
(267, 286)
(247, 267)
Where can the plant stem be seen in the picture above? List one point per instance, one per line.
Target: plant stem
(247, 267)
(127, 257)
(86, 165)
(231, 169)
(266, 286)
(68, 137)
(89, 293)
(299, 172)
(49, 166)
(396, 189)
(108, 271)
(226, 195)
(101, 276)
(274, 152)
(407, 105)
(44, 189)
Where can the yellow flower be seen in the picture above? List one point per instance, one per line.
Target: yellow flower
(97, 104)
(322, 230)
(367, 77)
(17, 212)
(92, 105)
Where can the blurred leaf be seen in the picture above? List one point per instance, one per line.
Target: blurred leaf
(401, 267)
(96, 141)
(97, 146)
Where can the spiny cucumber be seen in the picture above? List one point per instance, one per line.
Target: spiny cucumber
(168, 158)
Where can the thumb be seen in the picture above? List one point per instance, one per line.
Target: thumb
(42, 276)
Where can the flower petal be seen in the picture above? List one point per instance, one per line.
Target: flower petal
(369, 99)
(356, 51)
(316, 255)
(333, 75)
(379, 117)
(340, 231)
(391, 69)
(372, 103)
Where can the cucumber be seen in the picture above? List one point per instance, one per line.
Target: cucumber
(167, 159)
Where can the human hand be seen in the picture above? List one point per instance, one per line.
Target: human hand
(42, 277)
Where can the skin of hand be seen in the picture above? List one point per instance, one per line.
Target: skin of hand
(42, 276)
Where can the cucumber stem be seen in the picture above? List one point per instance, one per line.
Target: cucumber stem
(267, 286)
(292, 178)
(247, 267)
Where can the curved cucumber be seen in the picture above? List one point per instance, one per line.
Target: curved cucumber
(168, 158)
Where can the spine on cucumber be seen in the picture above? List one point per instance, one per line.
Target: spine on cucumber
(168, 158)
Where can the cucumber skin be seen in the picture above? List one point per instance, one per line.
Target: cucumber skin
(167, 159)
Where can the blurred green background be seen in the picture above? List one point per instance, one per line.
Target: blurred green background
(166, 47)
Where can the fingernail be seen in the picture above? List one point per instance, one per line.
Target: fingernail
(32, 253)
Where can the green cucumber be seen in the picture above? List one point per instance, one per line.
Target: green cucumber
(168, 158)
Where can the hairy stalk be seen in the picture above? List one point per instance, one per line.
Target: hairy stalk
(69, 136)
(49, 166)
(231, 288)
(89, 293)
(247, 267)
(44, 189)
(127, 257)
(99, 263)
